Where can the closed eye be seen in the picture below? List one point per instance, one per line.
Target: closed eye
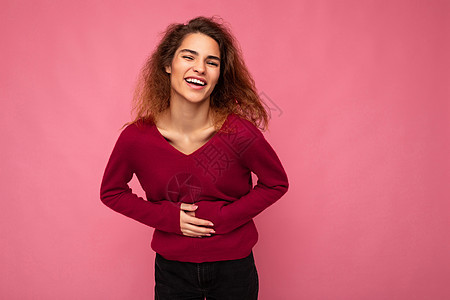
(191, 58)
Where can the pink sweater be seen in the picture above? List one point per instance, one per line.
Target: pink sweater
(216, 177)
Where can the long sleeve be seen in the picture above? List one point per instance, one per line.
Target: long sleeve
(116, 193)
(272, 184)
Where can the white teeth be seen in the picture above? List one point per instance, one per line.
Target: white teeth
(195, 80)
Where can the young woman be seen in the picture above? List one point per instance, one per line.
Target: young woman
(194, 142)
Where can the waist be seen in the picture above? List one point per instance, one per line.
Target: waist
(233, 245)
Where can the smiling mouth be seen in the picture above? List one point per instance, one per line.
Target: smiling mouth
(195, 82)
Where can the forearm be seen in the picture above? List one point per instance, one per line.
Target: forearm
(229, 216)
(162, 215)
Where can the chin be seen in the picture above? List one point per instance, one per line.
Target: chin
(197, 99)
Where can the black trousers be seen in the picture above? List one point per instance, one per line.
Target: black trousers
(219, 280)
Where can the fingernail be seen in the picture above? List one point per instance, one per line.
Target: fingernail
(211, 224)
(194, 206)
(212, 231)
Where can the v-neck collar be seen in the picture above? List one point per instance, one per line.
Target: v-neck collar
(165, 141)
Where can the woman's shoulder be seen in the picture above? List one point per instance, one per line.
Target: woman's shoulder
(242, 126)
(135, 130)
(137, 127)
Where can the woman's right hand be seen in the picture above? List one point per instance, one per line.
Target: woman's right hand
(192, 226)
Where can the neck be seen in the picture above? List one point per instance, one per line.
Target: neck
(187, 117)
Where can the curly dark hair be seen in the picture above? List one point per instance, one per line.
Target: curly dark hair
(234, 92)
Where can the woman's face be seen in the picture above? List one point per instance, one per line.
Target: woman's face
(195, 68)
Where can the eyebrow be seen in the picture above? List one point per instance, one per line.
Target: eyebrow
(196, 53)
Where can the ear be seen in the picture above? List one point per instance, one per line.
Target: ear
(168, 69)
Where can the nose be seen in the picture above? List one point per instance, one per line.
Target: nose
(199, 67)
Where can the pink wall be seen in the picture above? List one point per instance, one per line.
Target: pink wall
(360, 92)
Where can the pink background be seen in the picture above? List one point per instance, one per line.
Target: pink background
(360, 99)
